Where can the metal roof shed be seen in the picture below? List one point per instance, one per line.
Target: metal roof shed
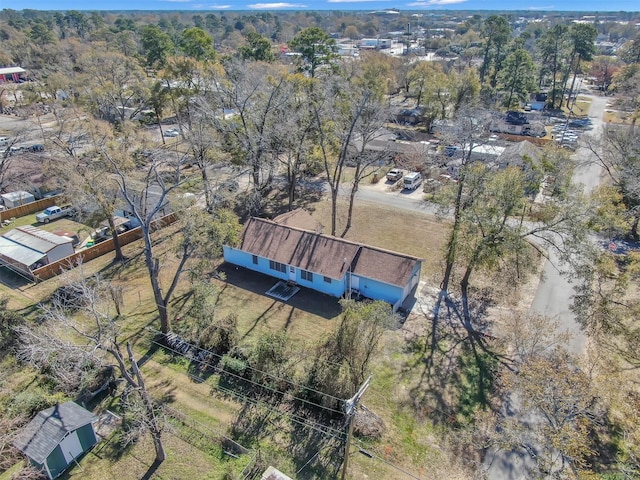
(25, 246)
(57, 436)
(15, 199)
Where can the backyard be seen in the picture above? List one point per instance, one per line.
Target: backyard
(306, 318)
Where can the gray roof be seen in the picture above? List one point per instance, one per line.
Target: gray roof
(19, 253)
(46, 431)
(35, 238)
(10, 70)
(18, 195)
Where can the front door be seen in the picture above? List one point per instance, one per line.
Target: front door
(355, 283)
(292, 274)
(71, 447)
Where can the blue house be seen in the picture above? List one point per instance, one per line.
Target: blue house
(324, 263)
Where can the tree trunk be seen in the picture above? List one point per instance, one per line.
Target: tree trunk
(352, 198)
(116, 240)
(566, 79)
(496, 68)
(485, 60)
(292, 189)
(573, 82)
(453, 237)
(154, 426)
(153, 266)
(208, 195)
(334, 210)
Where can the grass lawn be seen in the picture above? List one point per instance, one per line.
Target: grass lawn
(616, 116)
(407, 232)
(580, 107)
(306, 318)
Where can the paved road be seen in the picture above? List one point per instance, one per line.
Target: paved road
(555, 292)
(553, 298)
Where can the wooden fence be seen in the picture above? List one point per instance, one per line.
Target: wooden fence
(55, 268)
(541, 142)
(29, 208)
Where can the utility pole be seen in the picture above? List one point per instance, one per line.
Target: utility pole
(350, 407)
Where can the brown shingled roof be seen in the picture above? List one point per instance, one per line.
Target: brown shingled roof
(310, 251)
(388, 267)
(324, 254)
(299, 218)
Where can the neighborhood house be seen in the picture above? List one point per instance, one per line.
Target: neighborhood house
(324, 263)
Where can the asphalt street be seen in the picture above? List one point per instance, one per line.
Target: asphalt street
(553, 299)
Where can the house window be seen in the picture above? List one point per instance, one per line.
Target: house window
(308, 276)
(254, 258)
(280, 267)
(327, 279)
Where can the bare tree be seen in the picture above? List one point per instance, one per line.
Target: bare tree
(256, 95)
(147, 199)
(88, 181)
(348, 118)
(79, 327)
(618, 152)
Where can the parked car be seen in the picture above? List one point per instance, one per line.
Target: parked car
(172, 132)
(412, 180)
(394, 174)
(451, 150)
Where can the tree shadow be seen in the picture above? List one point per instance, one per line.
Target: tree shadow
(456, 358)
(151, 470)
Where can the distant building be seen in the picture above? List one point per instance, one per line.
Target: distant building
(375, 43)
(12, 74)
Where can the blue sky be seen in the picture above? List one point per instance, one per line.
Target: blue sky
(367, 5)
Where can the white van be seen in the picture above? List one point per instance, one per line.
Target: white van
(412, 180)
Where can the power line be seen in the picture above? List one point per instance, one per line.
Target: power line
(312, 458)
(275, 390)
(327, 431)
(323, 429)
(371, 454)
(255, 369)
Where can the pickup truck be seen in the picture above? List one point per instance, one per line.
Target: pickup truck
(394, 175)
(55, 212)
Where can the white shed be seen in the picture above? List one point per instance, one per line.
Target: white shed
(15, 199)
(26, 248)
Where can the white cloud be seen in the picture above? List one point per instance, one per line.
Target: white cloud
(267, 6)
(356, 1)
(219, 7)
(550, 7)
(431, 3)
